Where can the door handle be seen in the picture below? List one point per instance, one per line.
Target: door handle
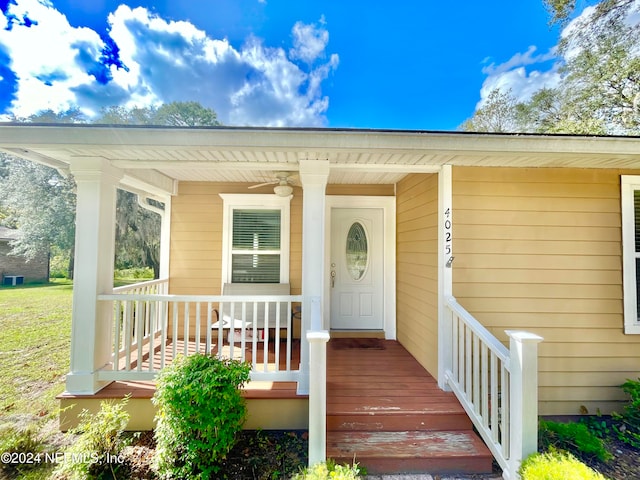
(333, 278)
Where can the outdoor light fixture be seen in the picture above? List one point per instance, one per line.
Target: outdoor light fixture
(283, 190)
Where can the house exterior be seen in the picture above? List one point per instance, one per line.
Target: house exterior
(35, 270)
(513, 233)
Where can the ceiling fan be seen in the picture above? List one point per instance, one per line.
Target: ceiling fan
(282, 182)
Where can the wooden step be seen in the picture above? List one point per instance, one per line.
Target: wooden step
(384, 409)
(433, 452)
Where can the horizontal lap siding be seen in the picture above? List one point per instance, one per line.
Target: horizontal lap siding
(196, 238)
(416, 268)
(540, 250)
(196, 234)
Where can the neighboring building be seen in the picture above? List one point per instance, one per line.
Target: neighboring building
(35, 270)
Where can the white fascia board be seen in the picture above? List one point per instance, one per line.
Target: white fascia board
(152, 183)
(315, 140)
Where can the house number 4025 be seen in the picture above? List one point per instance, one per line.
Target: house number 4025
(447, 234)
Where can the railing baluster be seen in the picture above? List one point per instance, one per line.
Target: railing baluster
(151, 308)
(476, 374)
(504, 410)
(495, 403)
(118, 319)
(289, 335)
(266, 337)
(164, 311)
(454, 348)
(468, 367)
(461, 351)
(174, 343)
(197, 336)
(484, 408)
(276, 340)
(209, 323)
(138, 334)
(185, 329)
(254, 339)
(243, 333)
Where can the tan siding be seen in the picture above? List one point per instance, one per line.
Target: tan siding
(196, 233)
(416, 269)
(540, 250)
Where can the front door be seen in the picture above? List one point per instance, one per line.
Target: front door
(357, 269)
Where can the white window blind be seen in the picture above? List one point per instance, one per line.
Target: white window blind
(256, 246)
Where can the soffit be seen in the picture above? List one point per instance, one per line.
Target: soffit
(356, 156)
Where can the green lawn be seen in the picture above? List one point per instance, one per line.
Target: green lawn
(35, 334)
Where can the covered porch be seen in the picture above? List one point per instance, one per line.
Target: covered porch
(199, 175)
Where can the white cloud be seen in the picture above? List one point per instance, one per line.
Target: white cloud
(309, 42)
(166, 61)
(513, 74)
(46, 56)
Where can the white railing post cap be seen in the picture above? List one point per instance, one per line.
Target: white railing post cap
(318, 336)
(522, 336)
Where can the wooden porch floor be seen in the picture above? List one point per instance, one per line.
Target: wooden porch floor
(383, 409)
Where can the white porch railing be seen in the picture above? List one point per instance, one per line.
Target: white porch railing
(498, 387)
(150, 328)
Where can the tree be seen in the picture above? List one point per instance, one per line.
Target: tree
(41, 203)
(185, 114)
(602, 81)
(599, 88)
(497, 114)
(116, 115)
(561, 10)
(176, 114)
(137, 234)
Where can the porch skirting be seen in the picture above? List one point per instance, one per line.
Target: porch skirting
(270, 405)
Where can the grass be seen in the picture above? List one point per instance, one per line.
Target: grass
(35, 321)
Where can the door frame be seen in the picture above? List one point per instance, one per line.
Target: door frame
(388, 206)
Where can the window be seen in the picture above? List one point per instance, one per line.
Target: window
(630, 195)
(255, 239)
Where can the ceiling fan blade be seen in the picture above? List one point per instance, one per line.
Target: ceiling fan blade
(264, 184)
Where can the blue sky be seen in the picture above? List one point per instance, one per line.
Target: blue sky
(411, 64)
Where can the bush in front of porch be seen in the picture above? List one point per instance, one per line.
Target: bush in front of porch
(200, 411)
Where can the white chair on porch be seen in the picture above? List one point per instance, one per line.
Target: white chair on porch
(238, 323)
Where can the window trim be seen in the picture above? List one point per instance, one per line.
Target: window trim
(628, 185)
(241, 201)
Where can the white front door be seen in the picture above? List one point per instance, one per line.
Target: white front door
(357, 268)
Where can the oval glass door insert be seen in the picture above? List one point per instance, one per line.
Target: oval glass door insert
(357, 251)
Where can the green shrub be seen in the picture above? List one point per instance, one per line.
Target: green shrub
(554, 465)
(628, 423)
(572, 436)
(200, 410)
(330, 470)
(139, 273)
(96, 451)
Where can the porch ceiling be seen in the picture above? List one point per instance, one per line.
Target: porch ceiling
(252, 155)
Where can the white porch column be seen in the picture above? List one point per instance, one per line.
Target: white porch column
(96, 183)
(313, 176)
(445, 273)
